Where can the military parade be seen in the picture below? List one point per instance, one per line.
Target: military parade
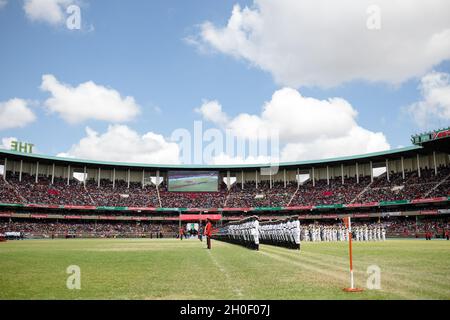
(243, 232)
(249, 232)
(283, 233)
(325, 233)
(288, 233)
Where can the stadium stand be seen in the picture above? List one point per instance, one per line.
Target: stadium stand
(48, 229)
(134, 195)
(415, 182)
(394, 226)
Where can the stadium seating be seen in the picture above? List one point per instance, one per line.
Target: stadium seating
(395, 226)
(47, 229)
(277, 195)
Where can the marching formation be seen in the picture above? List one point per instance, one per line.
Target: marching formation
(283, 233)
(369, 233)
(315, 233)
(288, 233)
(243, 232)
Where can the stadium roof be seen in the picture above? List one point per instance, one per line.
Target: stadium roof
(438, 140)
(374, 157)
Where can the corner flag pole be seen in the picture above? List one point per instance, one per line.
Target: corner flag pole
(348, 224)
(350, 236)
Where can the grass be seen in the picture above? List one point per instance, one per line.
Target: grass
(174, 269)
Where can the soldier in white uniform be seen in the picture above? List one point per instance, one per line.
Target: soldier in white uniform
(296, 224)
(243, 232)
(284, 233)
(255, 232)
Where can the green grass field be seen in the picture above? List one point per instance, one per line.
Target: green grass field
(174, 269)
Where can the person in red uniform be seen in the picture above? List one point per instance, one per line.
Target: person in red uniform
(447, 235)
(208, 231)
(181, 233)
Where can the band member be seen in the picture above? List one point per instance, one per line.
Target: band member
(208, 232)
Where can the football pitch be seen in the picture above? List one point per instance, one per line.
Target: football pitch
(174, 269)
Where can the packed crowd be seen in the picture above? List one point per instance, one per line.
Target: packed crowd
(122, 195)
(8, 194)
(411, 227)
(43, 192)
(49, 229)
(243, 232)
(263, 196)
(321, 192)
(413, 187)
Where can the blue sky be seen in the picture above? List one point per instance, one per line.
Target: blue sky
(139, 49)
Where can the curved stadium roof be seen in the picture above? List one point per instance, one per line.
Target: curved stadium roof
(375, 156)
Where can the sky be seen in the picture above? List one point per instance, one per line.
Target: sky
(121, 80)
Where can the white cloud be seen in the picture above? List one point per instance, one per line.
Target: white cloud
(88, 101)
(307, 128)
(356, 141)
(6, 143)
(327, 42)
(3, 3)
(15, 113)
(435, 106)
(212, 111)
(121, 143)
(49, 11)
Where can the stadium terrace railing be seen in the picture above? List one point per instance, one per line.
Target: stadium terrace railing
(223, 218)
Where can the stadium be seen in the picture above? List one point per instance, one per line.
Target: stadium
(224, 159)
(135, 235)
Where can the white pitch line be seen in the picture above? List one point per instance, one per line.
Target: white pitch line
(234, 288)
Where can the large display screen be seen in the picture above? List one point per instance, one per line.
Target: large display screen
(193, 181)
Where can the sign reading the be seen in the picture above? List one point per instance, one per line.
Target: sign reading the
(22, 146)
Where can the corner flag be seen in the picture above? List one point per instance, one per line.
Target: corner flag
(348, 225)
